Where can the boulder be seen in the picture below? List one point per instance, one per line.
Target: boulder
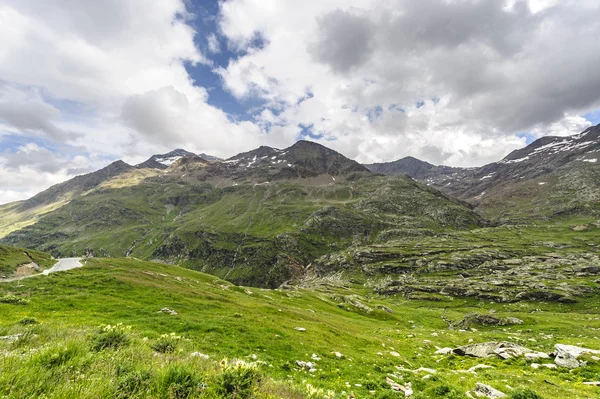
(580, 227)
(444, 351)
(486, 391)
(200, 355)
(567, 355)
(504, 350)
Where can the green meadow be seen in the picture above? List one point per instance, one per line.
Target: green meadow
(99, 332)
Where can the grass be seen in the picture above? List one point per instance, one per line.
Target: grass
(60, 355)
(11, 258)
(245, 227)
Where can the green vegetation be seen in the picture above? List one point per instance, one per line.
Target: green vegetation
(11, 258)
(151, 352)
(251, 234)
(376, 274)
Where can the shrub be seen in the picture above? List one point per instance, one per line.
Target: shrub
(13, 300)
(524, 394)
(166, 343)
(441, 391)
(179, 382)
(24, 339)
(132, 383)
(237, 379)
(389, 394)
(110, 337)
(58, 356)
(26, 321)
(287, 366)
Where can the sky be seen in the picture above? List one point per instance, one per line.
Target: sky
(455, 82)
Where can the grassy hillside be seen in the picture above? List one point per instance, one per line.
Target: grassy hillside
(11, 258)
(257, 234)
(65, 352)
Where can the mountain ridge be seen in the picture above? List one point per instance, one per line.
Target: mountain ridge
(259, 218)
(566, 167)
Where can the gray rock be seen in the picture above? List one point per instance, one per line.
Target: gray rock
(486, 391)
(10, 337)
(444, 351)
(567, 355)
(504, 350)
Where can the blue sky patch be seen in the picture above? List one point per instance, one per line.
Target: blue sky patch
(529, 138)
(593, 116)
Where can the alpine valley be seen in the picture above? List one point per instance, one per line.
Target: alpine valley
(322, 276)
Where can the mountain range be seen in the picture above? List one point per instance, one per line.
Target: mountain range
(552, 176)
(271, 215)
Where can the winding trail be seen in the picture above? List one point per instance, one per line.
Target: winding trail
(64, 264)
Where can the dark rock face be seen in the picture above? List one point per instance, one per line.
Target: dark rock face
(304, 159)
(552, 176)
(415, 168)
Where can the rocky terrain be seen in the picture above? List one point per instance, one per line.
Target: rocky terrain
(551, 177)
(259, 218)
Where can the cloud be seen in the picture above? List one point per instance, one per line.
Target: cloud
(108, 77)
(213, 43)
(31, 167)
(495, 69)
(159, 113)
(353, 50)
(453, 82)
(25, 110)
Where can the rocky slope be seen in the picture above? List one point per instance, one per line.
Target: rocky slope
(553, 176)
(260, 217)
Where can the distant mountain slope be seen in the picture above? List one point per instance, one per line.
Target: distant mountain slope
(303, 159)
(77, 185)
(16, 215)
(413, 167)
(553, 176)
(259, 218)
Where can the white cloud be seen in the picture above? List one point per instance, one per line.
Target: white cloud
(213, 44)
(109, 78)
(31, 167)
(498, 70)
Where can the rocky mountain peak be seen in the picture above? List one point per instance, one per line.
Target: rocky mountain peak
(163, 161)
(559, 148)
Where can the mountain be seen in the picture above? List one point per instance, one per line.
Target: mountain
(258, 218)
(163, 161)
(304, 159)
(77, 185)
(415, 168)
(16, 215)
(551, 177)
